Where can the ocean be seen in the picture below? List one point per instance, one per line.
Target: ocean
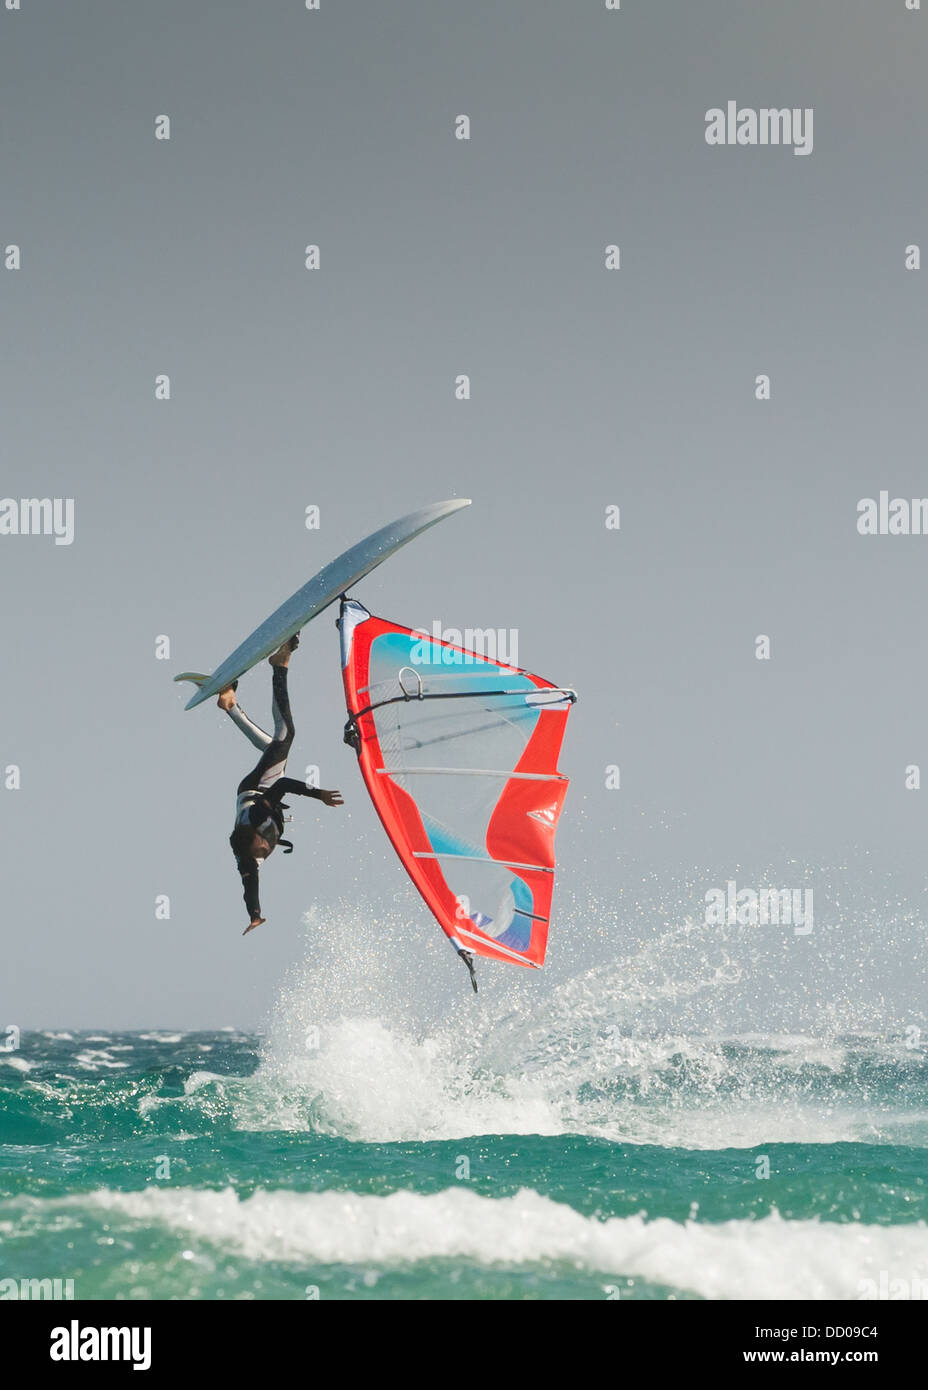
(588, 1134)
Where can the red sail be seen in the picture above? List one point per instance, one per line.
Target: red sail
(459, 753)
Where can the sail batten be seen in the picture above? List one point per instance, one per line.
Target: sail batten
(469, 772)
(483, 859)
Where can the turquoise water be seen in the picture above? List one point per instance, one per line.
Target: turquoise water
(380, 1161)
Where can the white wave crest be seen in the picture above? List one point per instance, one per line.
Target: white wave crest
(768, 1258)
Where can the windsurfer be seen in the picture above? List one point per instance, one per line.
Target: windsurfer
(259, 819)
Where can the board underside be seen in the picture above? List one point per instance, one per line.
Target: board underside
(319, 592)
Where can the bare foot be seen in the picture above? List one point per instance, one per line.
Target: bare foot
(282, 655)
(251, 925)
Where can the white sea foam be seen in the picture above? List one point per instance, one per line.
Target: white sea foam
(92, 1059)
(642, 1050)
(768, 1258)
(585, 1055)
(368, 1081)
(196, 1081)
(16, 1062)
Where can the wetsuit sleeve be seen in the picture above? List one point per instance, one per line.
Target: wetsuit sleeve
(289, 786)
(248, 869)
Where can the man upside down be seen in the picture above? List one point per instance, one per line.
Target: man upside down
(259, 818)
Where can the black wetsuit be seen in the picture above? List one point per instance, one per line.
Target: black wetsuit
(260, 805)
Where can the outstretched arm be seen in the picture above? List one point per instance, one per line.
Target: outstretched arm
(289, 786)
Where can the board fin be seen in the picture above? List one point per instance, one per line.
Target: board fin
(196, 676)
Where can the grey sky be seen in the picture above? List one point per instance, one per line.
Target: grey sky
(336, 388)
